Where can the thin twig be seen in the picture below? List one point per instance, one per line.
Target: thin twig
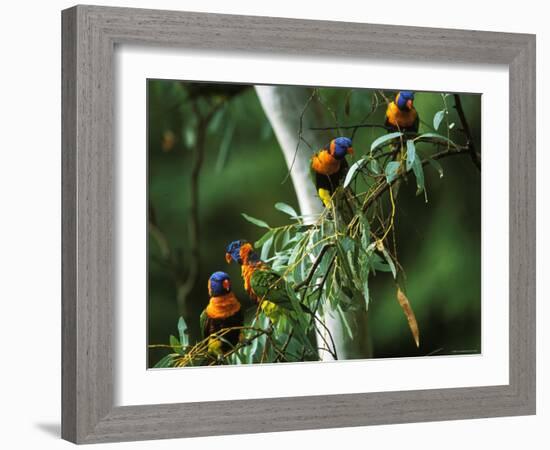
(351, 127)
(300, 139)
(384, 186)
(185, 287)
(474, 155)
(314, 266)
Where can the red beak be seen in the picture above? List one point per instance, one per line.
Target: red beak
(228, 258)
(227, 285)
(350, 150)
(409, 104)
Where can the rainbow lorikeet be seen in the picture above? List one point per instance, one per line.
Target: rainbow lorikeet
(329, 167)
(401, 114)
(223, 312)
(264, 286)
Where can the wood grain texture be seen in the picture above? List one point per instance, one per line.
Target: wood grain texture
(89, 36)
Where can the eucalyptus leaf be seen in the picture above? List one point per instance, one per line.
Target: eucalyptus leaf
(287, 209)
(419, 174)
(345, 322)
(438, 117)
(266, 247)
(390, 262)
(264, 238)
(286, 238)
(366, 294)
(374, 166)
(257, 222)
(391, 171)
(175, 344)
(435, 164)
(411, 154)
(384, 140)
(166, 361)
(435, 136)
(352, 170)
(365, 238)
(183, 332)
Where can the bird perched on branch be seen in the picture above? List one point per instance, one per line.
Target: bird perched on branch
(223, 312)
(401, 114)
(329, 167)
(264, 286)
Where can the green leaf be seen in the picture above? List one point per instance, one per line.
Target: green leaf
(250, 351)
(287, 209)
(343, 261)
(438, 117)
(300, 332)
(351, 172)
(374, 166)
(411, 154)
(264, 238)
(428, 136)
(435, 164)
(183, 332)
(344, 321)
(286, 238)
(175, 344)
(257, 222)
(384, 140)
(266, 248)
(166, 361)
(366, 294)
(391, 170)
(365, 237)
(390, 263)
(378, 264)
(419, 174)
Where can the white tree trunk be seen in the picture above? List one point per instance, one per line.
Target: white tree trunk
(284, 106)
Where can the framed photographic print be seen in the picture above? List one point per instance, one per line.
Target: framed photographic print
(341, 230)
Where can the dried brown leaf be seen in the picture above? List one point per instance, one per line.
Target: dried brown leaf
(409, 313)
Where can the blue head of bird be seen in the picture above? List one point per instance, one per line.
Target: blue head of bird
(233, 251)
(241, 252)
(219, 284)
(340, 147)
(404, 100)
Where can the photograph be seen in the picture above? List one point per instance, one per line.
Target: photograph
(291, 224)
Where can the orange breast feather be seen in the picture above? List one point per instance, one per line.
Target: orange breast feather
(324, 164)
(223, 306)
(246, 271)
(398, 118)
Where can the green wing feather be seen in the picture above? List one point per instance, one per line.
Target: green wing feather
(269, 285)
(202, 322)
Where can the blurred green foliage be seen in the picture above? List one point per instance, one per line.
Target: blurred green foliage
(439, 241)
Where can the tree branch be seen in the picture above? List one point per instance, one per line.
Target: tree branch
(351, 127)
(474, 155)
(316, 263)
(185, 287)
(384, 186)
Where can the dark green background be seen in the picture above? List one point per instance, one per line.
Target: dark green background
(438, 242)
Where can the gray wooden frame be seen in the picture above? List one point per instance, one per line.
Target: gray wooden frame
(89, 37)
